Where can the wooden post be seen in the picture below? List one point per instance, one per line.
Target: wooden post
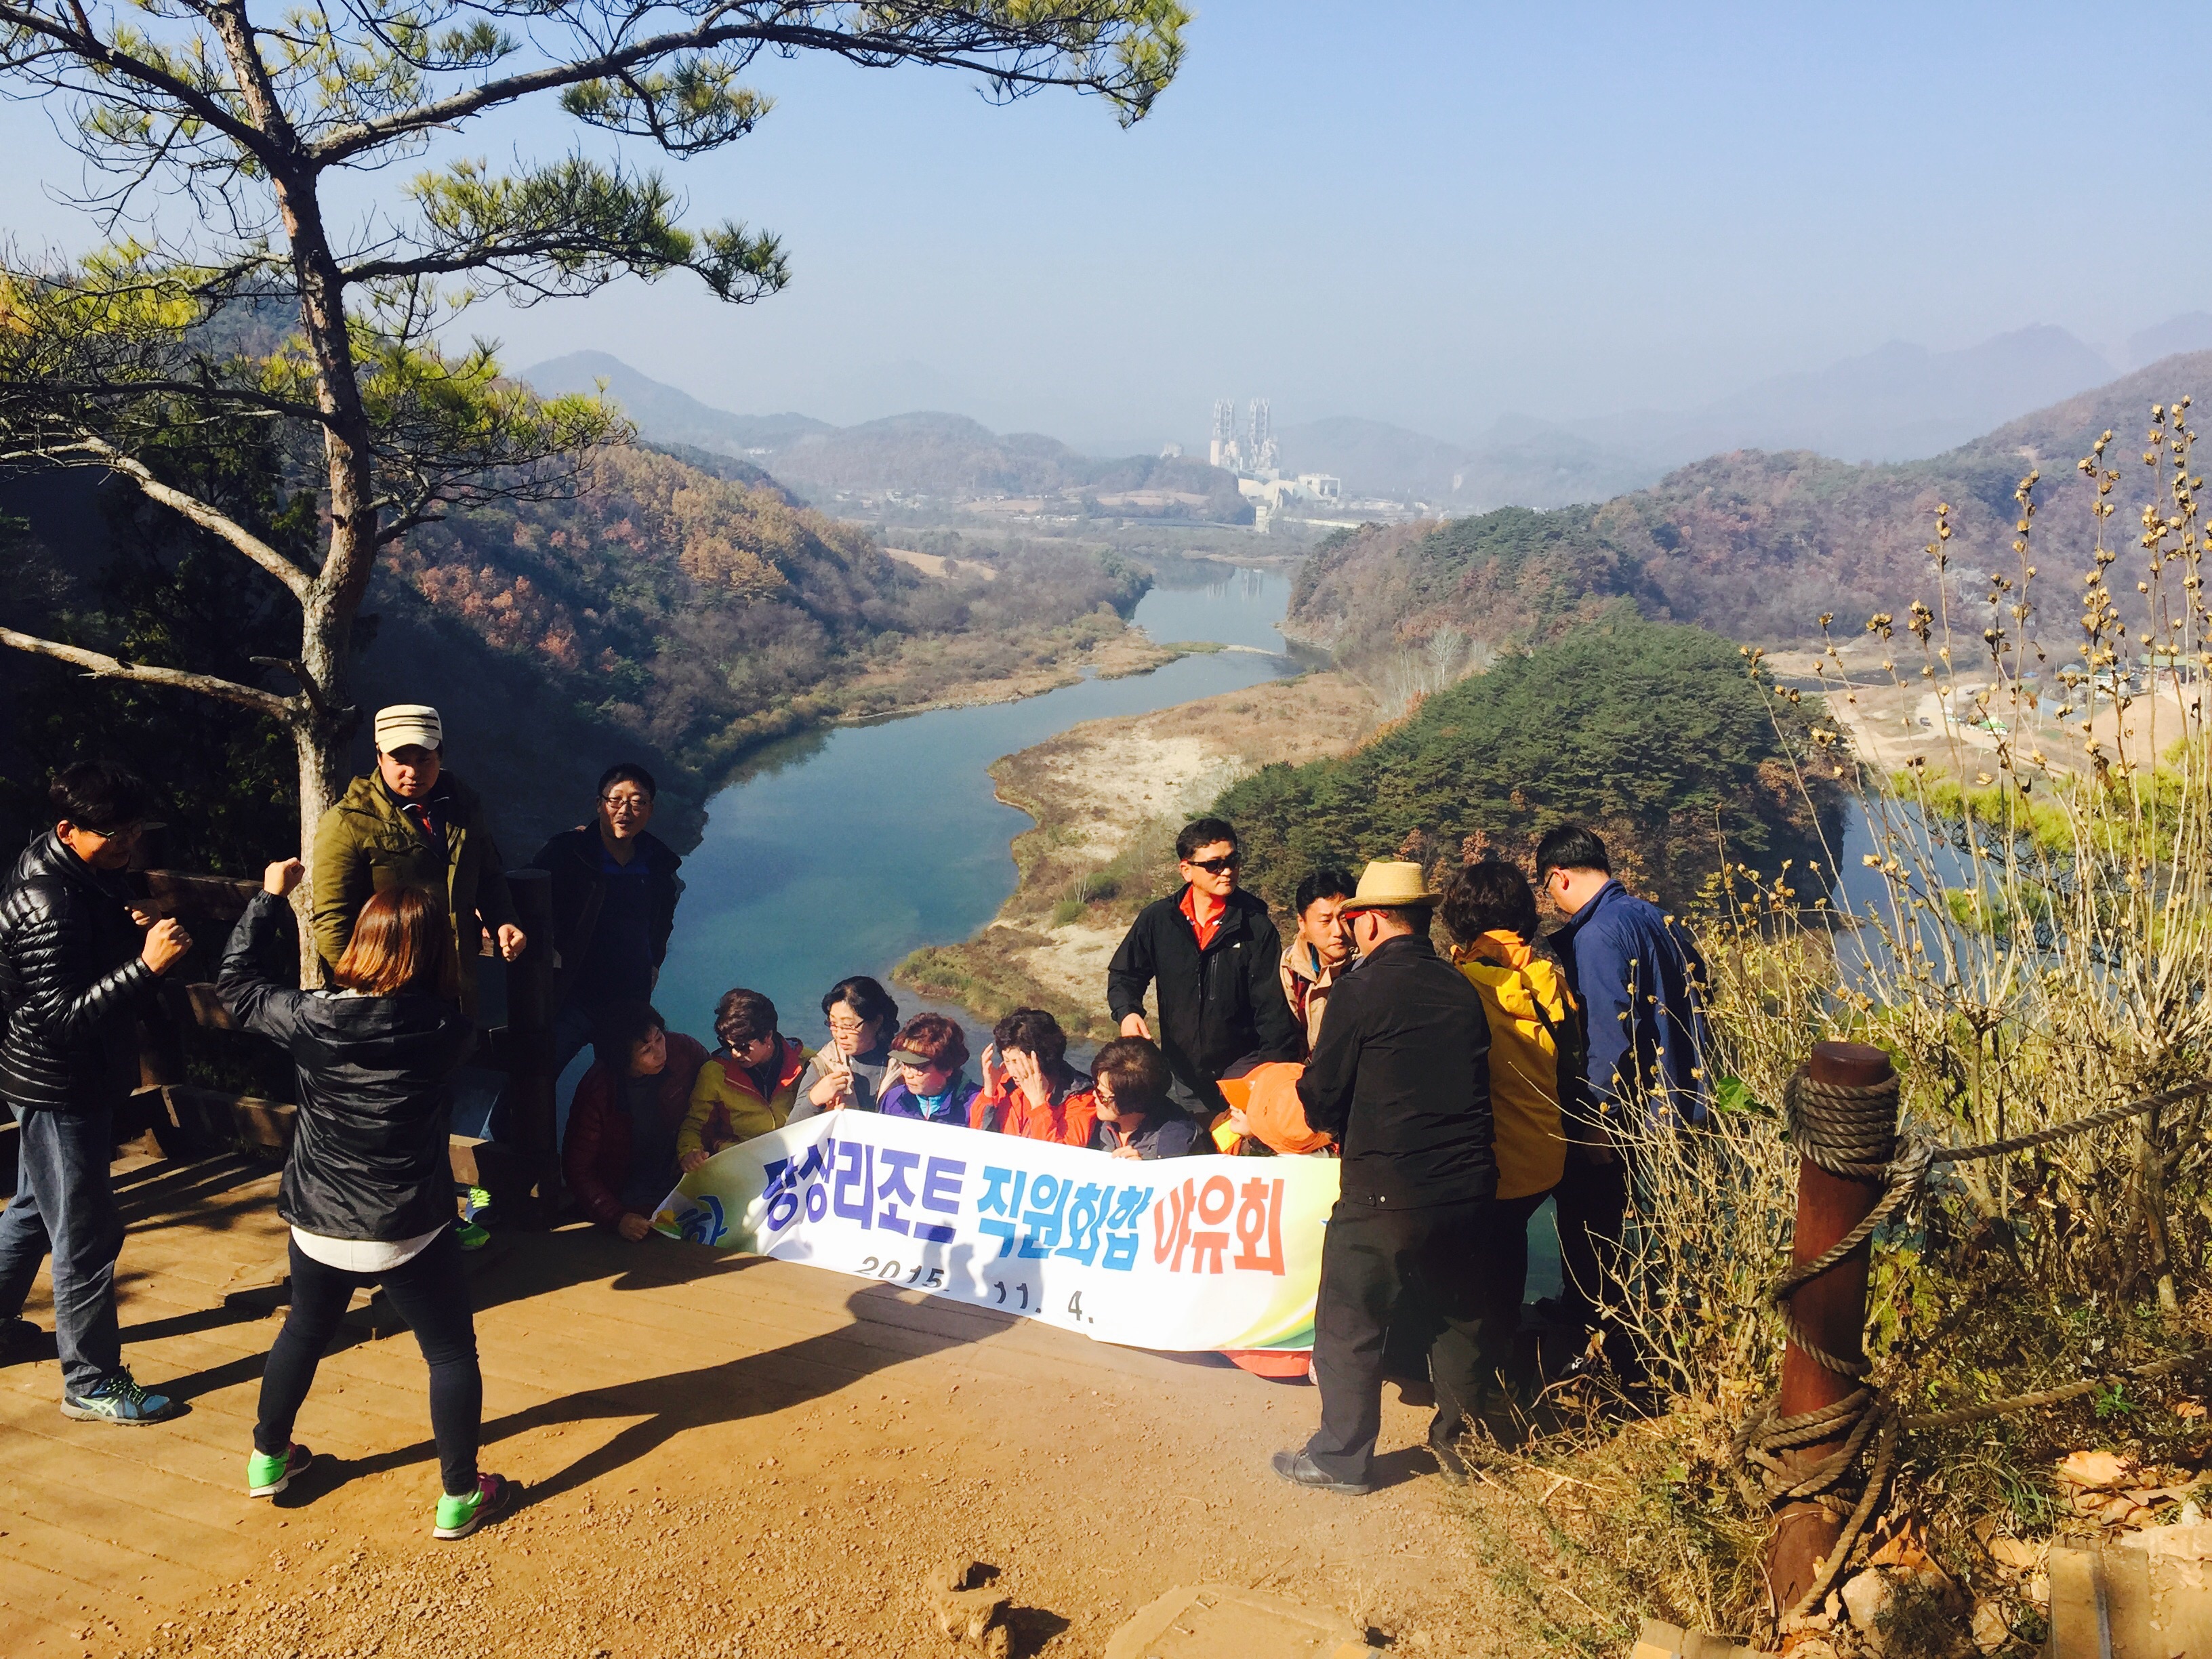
(1832, 1310)
(527, 1046)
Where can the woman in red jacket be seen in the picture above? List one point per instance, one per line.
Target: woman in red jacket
(620, 1153)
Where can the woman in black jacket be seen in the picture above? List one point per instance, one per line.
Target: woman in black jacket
(367, 1188)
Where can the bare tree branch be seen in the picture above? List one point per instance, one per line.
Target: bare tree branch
(298, 582)
(110, 668)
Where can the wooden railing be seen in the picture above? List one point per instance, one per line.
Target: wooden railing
(523, 1174)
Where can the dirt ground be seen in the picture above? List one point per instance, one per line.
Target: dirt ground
(1892, 717)
(720, 1455)
(1105, 793)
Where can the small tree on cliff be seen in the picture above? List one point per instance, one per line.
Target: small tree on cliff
(217, 112)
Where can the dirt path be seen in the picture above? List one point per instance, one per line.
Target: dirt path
(723, 1456)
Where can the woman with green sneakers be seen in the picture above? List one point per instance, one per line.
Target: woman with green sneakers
(368, 1188)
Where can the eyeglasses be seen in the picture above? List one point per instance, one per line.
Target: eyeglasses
(626, 803)
(1214, 866)
(836, 1025)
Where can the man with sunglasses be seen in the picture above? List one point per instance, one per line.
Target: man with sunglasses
(77, 963)
(1211, 951)
(614, 906)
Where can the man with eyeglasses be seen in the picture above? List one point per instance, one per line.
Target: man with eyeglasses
(1211, 951)
(614, 905)
(75, 969)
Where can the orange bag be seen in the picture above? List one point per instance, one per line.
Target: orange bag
(1268, 1095)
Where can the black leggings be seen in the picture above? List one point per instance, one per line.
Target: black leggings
(431, 1293)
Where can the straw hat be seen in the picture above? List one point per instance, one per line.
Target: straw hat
(1388, 885)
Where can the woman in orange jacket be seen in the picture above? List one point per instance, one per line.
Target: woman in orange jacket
(1029, 1088)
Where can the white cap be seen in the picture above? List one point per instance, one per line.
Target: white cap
(404, 723)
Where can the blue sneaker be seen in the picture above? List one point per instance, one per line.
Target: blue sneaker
(119, 1400)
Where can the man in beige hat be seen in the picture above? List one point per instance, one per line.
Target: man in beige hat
(412, 824)
(1400, 1077)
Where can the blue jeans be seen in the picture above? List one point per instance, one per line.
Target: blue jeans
(65, 1203)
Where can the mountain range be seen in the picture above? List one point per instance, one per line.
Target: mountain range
(1898, 403)
(948, 457)
(1755, 545)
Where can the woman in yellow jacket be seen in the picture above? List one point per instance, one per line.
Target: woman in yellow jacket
(1536, 1043)
(747, 1087)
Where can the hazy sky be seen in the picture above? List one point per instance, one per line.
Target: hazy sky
(1431, 213)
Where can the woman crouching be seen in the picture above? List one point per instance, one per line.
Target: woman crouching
(368, 1188)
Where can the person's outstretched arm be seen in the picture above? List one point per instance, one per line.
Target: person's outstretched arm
(255, 1000)
(64, 992)
(580, 1152)
(1325, 1090)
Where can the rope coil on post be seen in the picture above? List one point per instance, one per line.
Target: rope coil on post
(1852, 1132)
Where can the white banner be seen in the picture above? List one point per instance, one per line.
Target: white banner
(1190, 1253)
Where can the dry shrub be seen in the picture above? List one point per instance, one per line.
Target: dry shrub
(2031, 940)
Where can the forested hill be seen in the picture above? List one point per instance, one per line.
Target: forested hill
(1655, 735)
(664, 612)
(1755, 546)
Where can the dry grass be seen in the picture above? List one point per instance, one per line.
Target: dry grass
(2036, 944)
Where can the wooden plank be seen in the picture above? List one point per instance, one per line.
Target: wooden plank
(192, 897)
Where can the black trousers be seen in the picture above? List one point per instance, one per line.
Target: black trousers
(1378, 1267)
(431, 1293)
(1592, 1206)
(1594, 1202)
(1504, 1263)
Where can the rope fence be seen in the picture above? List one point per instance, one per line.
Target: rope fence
(1852, 1131)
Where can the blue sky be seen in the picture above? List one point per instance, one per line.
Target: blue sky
(1431, 213)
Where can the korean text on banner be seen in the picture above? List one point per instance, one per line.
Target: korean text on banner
(1189, 1252)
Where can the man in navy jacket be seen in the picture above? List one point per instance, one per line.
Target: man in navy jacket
(1640, 982)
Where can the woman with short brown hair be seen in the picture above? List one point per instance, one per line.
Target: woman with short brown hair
(930, 1060)
(368, 1188)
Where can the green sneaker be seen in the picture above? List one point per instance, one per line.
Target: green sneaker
(459, 1516)
(470, 1233)
(266, 1476)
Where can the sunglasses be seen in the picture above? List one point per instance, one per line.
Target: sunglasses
(1214, 866)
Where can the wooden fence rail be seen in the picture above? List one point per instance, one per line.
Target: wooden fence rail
(523, 1175)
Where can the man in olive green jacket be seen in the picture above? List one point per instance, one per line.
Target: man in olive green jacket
(412, 824)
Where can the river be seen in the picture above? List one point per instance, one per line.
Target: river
(838, 852)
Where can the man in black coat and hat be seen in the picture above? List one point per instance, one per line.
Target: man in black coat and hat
(1402, 1078)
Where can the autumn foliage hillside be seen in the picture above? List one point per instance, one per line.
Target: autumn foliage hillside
(1757, 546)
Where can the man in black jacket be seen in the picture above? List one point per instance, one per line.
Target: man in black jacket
(74, 970)
(614, 906)
(1213, 951)
(1401, 1077)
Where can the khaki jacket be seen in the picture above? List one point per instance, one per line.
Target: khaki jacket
(1306, 986)
(365, 845)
